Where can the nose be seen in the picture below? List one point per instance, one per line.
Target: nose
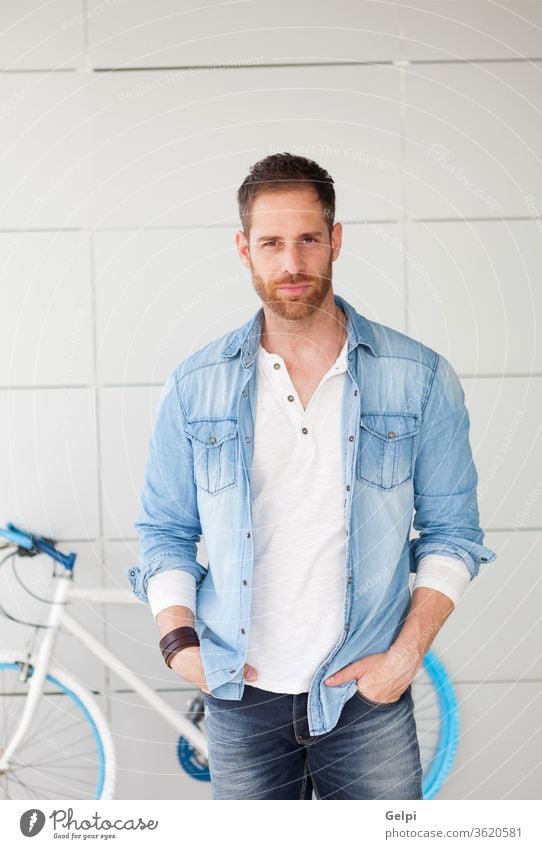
(292, 261)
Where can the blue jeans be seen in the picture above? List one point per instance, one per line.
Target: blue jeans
(260, 748)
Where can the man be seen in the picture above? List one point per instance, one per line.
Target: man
(299, 445)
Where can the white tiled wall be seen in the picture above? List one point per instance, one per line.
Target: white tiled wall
(126, 128)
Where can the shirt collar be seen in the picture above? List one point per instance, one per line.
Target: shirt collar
(340, 363)
(247, 338)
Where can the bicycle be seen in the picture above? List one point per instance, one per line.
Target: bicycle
(81, 764)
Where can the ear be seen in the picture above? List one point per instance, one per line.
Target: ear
(336, 240)
(241, 241)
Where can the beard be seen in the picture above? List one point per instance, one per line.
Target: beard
(293, 307)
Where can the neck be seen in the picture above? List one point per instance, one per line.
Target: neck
(321, 336)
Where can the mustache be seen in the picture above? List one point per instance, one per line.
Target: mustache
(294, 280)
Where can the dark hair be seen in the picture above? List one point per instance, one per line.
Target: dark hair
(285, 170)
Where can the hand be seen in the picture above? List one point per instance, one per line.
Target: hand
(382, 677)
(187, 663)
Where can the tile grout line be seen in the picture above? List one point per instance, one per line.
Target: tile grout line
(86, 69)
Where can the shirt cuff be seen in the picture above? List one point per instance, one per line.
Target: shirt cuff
(171, 586)
(449, 575)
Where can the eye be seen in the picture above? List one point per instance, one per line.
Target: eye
(271, 243)
(310, 239)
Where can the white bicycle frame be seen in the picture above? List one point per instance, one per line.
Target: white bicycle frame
(66, 592)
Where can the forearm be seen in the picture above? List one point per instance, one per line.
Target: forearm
(175, 616)
(187, 661)
(428, 612)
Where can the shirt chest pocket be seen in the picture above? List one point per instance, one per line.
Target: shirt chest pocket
(386, 452)
(215, 444)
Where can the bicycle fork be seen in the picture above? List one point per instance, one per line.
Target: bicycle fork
(39, 672)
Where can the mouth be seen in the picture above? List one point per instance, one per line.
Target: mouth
(294, 290)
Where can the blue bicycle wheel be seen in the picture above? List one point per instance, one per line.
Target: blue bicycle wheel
(67, 752)
(436, 713)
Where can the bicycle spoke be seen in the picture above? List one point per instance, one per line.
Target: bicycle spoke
(50, 777)
(59, 755)
(71, 746)
(23, 784)
(74, 779)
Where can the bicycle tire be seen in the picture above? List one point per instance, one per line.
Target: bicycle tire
(437, 722)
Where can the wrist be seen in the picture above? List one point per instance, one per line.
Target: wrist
(406, 654)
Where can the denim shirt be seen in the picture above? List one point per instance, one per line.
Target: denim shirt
(405, 449)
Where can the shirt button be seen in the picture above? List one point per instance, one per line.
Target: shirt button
(351, 438)
(232, 670)
(304, 430)
(391, 433)
(242, 630)
(356, 392)
(349, 580)
(132, 572)
(347, 627)
(348, 487)
(244, 582)
(247, 438)
(290, 397)
(248, 533)
(276, 365)
(244, 392)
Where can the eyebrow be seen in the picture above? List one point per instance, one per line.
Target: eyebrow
(301, 236)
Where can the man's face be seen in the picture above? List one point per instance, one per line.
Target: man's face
(289, 251)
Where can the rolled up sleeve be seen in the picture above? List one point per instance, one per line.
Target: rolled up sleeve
(445, 478)
(168, 523)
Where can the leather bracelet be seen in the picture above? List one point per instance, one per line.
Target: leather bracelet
(177, 648)
(168, 638)
(181, 642)
(188, 638)
(177, 640)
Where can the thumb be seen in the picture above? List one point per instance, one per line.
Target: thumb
(249, 672)
(344, 674)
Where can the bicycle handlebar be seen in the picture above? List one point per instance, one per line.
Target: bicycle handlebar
(31, 545)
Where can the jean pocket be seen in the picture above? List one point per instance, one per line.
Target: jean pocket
(215, 447)
(386, 452)
(381, 705)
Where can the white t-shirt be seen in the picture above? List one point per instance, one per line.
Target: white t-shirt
(299, 532)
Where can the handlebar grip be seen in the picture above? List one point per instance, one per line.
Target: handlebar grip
(17, 536)
(34, 544)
